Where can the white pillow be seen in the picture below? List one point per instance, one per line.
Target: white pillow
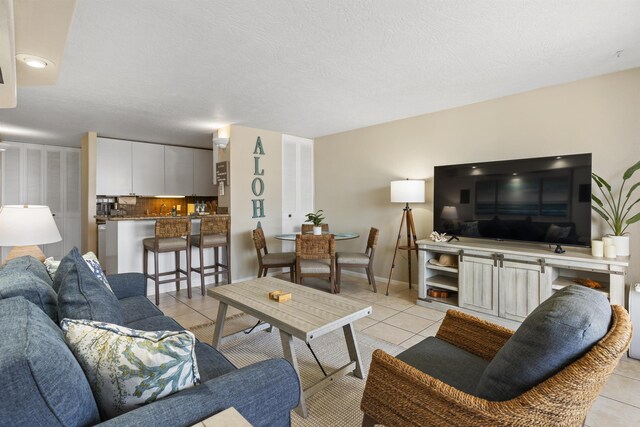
(127, 368)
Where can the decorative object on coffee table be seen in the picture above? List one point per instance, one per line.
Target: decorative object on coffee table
(615, 209)
(406, 191)
(26, 226)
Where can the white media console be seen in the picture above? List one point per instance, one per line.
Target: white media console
(508, 280)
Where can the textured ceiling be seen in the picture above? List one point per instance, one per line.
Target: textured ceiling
(172, 71)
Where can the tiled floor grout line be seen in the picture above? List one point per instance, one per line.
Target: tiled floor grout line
(619, 401)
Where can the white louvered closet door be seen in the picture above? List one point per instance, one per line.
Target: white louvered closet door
(44, 175)
(72, 199)
(54, 190)
(297, 184)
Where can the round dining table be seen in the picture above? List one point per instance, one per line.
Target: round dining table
(291, 237)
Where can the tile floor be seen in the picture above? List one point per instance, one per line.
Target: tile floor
(398, 320)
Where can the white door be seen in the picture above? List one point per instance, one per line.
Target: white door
(33, 174)
(12, 180)
(297, 184)
(53, 196)
(72, 200)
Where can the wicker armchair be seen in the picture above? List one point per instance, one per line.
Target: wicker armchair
(397, 394)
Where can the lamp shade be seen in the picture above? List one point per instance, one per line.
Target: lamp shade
(449, 212)
(407, 191)
(27, 225)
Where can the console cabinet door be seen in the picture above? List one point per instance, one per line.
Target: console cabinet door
(522, 289)
(478, 284)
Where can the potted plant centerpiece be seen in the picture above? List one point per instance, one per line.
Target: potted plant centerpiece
(615, 209)
(316, 219)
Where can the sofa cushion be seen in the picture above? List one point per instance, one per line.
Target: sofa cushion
(82, 295)
(446, 362)
(138, 308)
(556, 333)
(42, 383)
(211, 363)
(23, 277)
(128, 368)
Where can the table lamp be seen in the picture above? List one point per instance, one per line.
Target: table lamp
(449, 216)
(406, 191)
(24, 227)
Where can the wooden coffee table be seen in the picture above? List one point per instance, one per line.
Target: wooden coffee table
(308, 315)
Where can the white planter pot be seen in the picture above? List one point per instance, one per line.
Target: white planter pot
(317, 230)
(622, 245)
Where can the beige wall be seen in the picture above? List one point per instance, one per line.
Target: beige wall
(353, 169)
(241, 148)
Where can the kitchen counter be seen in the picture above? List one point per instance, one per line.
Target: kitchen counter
(123, 252)
(145, 217)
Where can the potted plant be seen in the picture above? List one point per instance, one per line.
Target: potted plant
(615, 208)
(316, 219)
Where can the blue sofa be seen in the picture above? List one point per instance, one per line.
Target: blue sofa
(43, 384)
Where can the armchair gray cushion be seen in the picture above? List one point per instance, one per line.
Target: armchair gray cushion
(83, 296)
(446, 362)
(556, 333)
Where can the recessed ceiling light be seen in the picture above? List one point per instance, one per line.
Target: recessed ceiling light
(34, 61)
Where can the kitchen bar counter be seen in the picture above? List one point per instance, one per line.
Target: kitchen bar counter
(145, 217)
(124, 252)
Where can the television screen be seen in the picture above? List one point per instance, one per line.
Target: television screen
(546, 199)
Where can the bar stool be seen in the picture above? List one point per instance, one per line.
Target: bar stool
(169, 236)
(215, 232)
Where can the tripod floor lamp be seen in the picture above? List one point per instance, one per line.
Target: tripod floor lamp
(406, 191)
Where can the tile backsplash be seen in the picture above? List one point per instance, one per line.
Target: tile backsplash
(153, 205)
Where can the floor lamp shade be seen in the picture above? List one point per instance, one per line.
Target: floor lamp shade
(27, 225)
(407, 191)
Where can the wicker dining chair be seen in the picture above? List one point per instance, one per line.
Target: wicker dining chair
(359, 260)
(268, 260)
(397, 394)
(171, 235)
(315, 257)
(308, 228)
(215, 233)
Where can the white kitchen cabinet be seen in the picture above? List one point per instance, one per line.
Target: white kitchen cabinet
(147, 169)
(178, 170)
(113, 167)
(203, 173)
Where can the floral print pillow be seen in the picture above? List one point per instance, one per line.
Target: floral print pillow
(127, 368)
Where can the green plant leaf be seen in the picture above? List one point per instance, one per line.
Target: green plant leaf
(601, 182)
(634, 218)
(595, 199)
(631, 171)
(601, 213)
(633, 187)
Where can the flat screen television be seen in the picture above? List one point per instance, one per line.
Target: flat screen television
(546, 199)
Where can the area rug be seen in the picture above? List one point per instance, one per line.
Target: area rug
(339, 403)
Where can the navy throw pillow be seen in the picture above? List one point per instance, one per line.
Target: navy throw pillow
(83, 296)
